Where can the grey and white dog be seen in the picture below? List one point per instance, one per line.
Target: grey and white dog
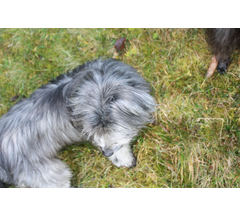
(103, 101)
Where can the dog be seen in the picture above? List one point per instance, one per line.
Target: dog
(105, 102)
(223, 42)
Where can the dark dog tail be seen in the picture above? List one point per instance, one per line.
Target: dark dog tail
(223, 41)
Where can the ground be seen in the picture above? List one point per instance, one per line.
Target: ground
(195, 139)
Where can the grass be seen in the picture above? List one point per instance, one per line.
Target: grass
(194, 141)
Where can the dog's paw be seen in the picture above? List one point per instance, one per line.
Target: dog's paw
(126, 162)
(123, 157)
(223, 65)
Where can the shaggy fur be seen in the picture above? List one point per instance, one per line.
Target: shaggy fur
(223, 42)
(103, 101)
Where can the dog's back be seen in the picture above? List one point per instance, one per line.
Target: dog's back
(28, 130)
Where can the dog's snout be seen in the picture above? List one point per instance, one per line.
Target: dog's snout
(107, 153)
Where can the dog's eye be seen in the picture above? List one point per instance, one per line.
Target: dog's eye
(132, 83)
(112, 99)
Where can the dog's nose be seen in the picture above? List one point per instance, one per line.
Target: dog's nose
(107, 153)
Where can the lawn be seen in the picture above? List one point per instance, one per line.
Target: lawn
(195, 139)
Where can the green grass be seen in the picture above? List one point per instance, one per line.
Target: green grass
(195, 139)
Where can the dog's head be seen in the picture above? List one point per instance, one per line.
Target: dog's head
(110, 104)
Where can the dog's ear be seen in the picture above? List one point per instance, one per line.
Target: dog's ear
(135, 102)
